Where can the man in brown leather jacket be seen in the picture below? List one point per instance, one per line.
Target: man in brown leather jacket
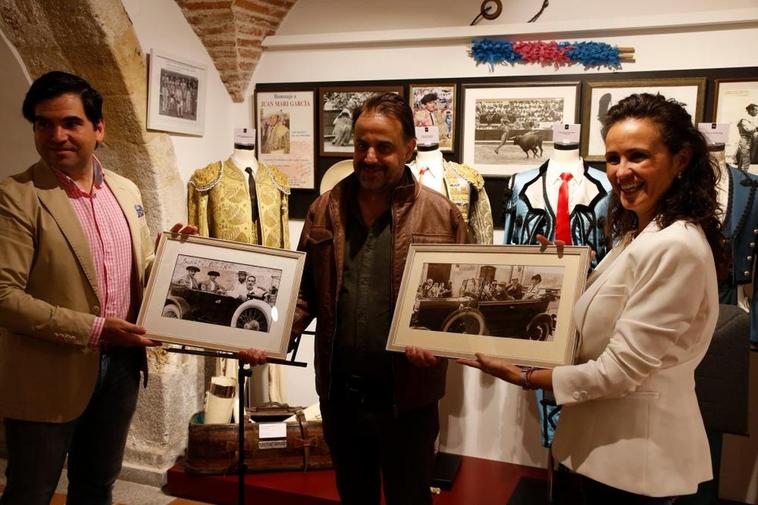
(379, 408)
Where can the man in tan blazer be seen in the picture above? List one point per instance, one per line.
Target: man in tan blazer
(75, 249)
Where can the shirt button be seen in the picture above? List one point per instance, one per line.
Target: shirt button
(750, 258)
(96, 309)
(747, 273)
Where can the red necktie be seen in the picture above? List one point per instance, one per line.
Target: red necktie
(421, 174)
(562, 226)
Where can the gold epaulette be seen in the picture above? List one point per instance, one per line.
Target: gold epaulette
(472, 176)
(204, 179)
(280, 179)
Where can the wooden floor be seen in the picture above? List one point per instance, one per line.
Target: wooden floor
(60, 499)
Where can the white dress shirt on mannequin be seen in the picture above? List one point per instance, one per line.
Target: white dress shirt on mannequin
(244, 158)
(433, 164)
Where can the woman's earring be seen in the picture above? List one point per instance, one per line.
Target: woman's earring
(679, 175)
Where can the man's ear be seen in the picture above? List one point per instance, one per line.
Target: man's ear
(409, 149)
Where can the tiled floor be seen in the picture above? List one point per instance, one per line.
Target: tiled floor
(124, 493)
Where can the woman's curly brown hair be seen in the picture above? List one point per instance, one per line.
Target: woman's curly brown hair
(691, 197)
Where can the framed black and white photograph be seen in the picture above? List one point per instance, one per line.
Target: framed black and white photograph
(435, 105)
(286, 139)
(602, 95)
(511, 302)
(336, 115)
(508, 128)
(218, 294)
(736, 103)
(176, 95)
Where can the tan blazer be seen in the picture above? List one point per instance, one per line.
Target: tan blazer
(630, 417)
(48, 294)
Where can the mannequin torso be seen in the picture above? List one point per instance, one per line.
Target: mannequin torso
(430, 161)
(244, 157)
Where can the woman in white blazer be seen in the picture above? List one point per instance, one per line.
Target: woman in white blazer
(630, 423)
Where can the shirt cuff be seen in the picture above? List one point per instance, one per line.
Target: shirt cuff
(97, 329)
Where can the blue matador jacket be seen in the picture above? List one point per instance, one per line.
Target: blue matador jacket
(741, 230)
(525, 219)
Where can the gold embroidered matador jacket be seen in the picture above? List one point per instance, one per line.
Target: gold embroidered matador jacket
(465, 188)
(218, 203)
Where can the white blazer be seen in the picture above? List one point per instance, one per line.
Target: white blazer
(631, 418)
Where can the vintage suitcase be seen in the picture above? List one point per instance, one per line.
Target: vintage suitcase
(212, 448)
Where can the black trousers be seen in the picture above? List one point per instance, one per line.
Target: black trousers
(373, 449)
(597, 493)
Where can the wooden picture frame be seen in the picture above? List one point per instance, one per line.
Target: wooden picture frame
(182, 306)
(599, 96)
(436, 104)
(176, 94)
(285, 133)
(508, 128)
(512, 302)
(732, 97)
(336, 107)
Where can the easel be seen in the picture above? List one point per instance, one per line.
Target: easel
(242, 373)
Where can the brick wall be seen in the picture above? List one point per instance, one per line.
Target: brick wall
(232, 32)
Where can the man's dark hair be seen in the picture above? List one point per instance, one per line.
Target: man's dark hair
(56, 83)
(692, 195)
(429, 97)
(392, 105)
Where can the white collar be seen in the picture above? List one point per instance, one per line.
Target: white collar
(575, 168)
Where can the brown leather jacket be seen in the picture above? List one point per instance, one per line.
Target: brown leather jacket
(419, 215)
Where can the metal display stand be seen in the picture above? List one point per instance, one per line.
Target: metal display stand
(242, 373)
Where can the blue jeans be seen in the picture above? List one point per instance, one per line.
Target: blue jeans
(94, 442)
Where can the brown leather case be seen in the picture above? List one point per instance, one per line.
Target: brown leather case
(212, 448)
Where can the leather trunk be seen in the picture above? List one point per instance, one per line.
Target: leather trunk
(213, 448)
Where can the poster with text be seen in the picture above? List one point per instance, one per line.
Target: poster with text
(285, 128)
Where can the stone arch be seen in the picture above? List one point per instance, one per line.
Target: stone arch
(96, 39)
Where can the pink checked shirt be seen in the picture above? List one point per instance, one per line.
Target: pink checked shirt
(110, 244)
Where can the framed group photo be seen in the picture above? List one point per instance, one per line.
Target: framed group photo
(286, 139)
(602, 95)
(511, 302)
(337, 106)
(222, 295)
(736, 103)
(176, 94)
(508, 128)
(435, 105)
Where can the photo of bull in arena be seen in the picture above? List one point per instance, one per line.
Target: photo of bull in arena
(515, 131)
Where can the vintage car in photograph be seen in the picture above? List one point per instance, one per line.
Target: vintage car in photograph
(215, 308)
(526, 318)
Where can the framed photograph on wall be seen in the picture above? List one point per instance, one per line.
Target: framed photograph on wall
(337, 105)
(508, 128)
(736, 103)
(435, 105)
(512, 302)
(602, 95)
(176, 94)
(224, 295)
(284, 122)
